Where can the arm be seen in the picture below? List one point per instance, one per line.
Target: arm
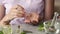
(49, 9)
(15, 11)
(2, 11)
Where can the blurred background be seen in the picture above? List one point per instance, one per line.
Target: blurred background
(57, 6)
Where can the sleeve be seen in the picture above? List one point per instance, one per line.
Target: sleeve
(1, 2)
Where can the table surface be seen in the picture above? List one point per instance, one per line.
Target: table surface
(33, 29)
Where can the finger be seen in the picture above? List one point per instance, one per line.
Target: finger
(27, 21)
(17, 12)
(34, 18)
(18, 7)
(20, 15)
(34, 23)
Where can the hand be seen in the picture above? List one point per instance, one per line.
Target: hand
(16, 11)
(27, 18)
(32, 18)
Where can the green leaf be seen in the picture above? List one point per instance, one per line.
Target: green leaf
(41, 27)
(1, 32)
(23, 32)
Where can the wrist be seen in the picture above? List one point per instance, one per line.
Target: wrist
(5, 21)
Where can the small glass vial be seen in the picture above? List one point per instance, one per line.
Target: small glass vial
(57, 26)
(15, 25)
(49, 29)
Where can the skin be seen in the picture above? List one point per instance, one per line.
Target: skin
(49, 6)
(2, 12)
(15, 11)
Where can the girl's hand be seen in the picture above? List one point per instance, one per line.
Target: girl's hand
(16, 11)
(32, 18)
(27, 18)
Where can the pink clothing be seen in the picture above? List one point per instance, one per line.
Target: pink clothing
(29, 5)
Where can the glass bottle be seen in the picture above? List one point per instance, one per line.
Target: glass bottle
(15, 25)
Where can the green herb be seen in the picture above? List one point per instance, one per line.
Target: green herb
(41, 27)
(7, 30)
(23, 32)
(49, 23)
(1, 32)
